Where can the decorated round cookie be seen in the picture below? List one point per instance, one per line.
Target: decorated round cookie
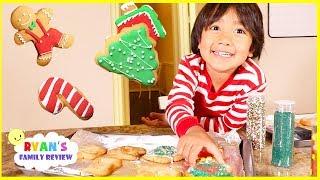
(209, 167)
(145, 14)
(132, 54)
(35, 27)
(163, 154)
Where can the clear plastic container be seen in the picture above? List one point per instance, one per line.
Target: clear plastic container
(282, 140)
(256, 126)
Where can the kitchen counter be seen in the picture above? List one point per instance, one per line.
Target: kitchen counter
(262, 165)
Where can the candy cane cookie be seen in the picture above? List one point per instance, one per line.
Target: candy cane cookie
(55, 93)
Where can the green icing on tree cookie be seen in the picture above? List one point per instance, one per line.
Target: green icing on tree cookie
(132, 55)
(152, 15)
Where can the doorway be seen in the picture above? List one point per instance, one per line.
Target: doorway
(144, 100)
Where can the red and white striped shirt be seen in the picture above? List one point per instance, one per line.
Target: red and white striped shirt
(193, 101)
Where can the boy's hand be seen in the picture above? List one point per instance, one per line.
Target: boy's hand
(194, 141)
(155, 119)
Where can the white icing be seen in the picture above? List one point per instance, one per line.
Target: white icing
(125, 7)
(28, 20)
(62, 87)
(149, 17)
(47, 13)
(125, 43)
(63, 41)
(85, 111)
(48, 94)
(78, 104)
(21, 38)
(56, 108)
(71, 94)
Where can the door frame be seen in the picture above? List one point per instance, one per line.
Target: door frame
(121, 108)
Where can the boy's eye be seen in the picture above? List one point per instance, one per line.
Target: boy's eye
(240, 31)
(215, 28)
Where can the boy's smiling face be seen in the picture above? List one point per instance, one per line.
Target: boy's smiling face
(225, 44)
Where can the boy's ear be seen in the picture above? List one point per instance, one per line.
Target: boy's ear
(251, 51)
(250, 54)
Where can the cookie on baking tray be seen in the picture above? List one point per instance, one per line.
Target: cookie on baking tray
(163, 155)
(90, 151)
(208, 166)
(103, 166)
(156, 169)
(126, 153)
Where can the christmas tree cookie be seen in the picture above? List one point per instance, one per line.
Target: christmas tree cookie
(131, 53)
(145, 14)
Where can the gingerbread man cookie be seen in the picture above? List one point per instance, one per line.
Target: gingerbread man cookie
(35, 27)
(145, 14)
(132, 54)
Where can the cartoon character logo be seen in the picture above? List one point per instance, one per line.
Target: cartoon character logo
(16, 136)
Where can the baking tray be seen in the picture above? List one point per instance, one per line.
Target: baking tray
(246, 152)
(298, 143)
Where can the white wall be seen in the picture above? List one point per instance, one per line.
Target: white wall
(290, 68)
(90, 24)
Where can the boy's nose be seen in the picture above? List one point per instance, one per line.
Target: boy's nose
(224, 39)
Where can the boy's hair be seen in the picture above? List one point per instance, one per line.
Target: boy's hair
(249, 15)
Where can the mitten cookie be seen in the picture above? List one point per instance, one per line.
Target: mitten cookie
(55, 93)
(35, 27)
(103, 166)
(163, 155)
(132, 54)
(90, 151)
(145, 14)
(126, 153)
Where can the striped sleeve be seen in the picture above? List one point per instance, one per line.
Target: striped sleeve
(180, 108)
(236, 117)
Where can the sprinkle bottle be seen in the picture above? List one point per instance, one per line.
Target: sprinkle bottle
(282, 140)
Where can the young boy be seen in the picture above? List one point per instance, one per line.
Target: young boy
(211, 87)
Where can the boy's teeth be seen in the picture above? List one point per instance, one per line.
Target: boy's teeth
(223, 54)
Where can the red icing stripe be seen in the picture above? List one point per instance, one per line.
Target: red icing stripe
(75, 99)
(53, 96)
(89, 113)
(45, 88)
(82, 107)
(140, 19)
(67, 90)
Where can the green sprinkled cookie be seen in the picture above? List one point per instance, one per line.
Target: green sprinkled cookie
(132, 54)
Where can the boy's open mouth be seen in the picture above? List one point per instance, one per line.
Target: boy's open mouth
(222, 54)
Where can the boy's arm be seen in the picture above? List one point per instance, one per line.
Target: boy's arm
(180, 108)
(236, 117)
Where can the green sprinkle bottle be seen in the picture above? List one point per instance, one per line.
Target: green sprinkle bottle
(282, 140)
